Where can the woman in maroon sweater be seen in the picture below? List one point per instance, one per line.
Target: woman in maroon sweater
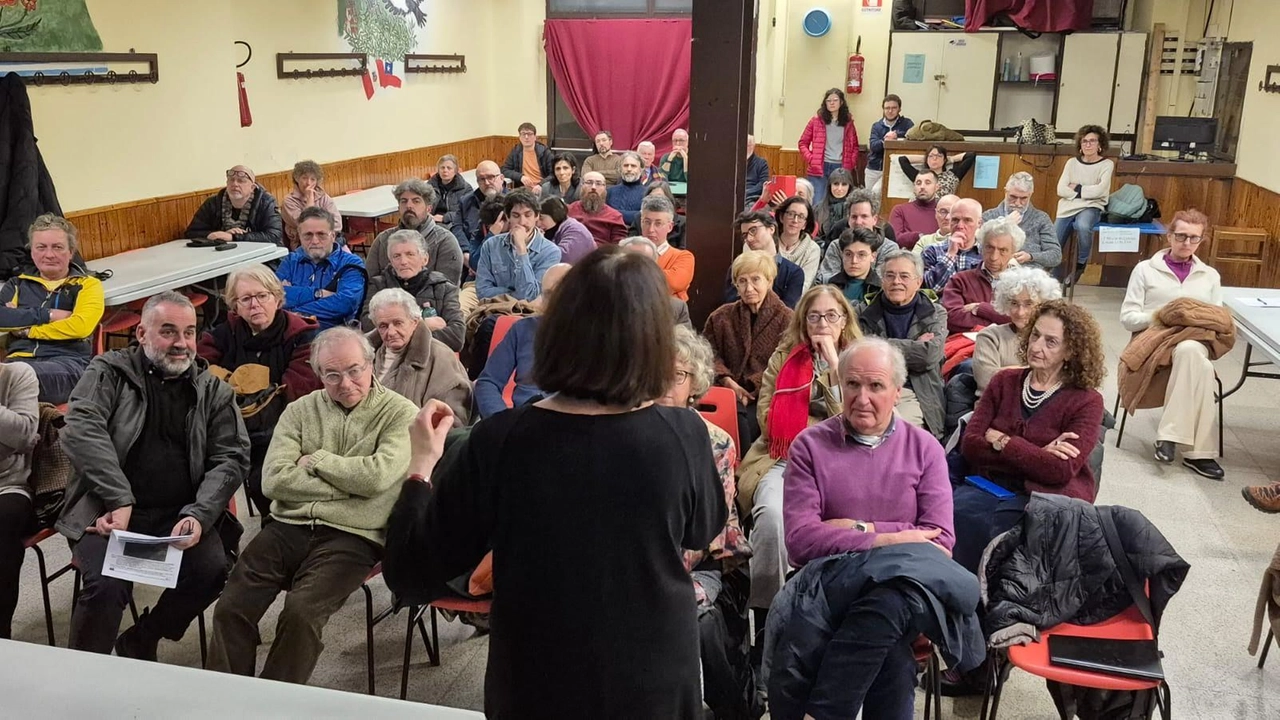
(1034, 428)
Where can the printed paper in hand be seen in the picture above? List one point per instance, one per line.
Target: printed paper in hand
(142, 558)
(899, 185)
(1118, 239)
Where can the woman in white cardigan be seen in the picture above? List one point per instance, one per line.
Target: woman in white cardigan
(1188, 416)
(1083, 190)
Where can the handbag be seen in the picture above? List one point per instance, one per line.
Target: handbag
(1035, 133)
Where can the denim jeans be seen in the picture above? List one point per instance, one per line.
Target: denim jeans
(1083, 222)
(58, 375)
(820, 183)
(979, 518)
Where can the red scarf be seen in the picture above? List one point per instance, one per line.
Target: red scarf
(789, 411)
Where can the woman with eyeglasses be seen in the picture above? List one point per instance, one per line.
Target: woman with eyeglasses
(950, 169)
(795, 239)
(1189, 415)
(1083, 190)
(260, 332)
(799, 388)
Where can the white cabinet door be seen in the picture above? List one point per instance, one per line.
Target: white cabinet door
(1129, 81)
(919, 99)
(1085, 80)
(969, 80)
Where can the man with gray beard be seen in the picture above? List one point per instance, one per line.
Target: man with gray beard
(605, 223)
(469, 230)
(158, 448)
(626, 196)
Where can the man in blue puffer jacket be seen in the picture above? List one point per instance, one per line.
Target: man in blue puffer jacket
(320, 278)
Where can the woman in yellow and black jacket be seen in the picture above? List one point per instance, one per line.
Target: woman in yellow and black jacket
(50, 314)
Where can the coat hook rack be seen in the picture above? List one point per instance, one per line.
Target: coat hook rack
(1269, 85)
(361, 60)
(452, 63)
(65, 78)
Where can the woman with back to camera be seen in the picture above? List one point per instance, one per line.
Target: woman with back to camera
(1083, 190)
(829, 142)
(587, 499)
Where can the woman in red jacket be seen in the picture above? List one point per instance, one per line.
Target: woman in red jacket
(830, 141)
(1034, 427)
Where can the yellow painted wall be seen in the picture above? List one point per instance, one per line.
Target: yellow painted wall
(108, 145)
(1256, 20)
(793, 70)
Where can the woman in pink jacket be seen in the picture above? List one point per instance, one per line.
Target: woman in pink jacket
(830, 141)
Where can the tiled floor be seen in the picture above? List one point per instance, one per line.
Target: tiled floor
(1205, 628)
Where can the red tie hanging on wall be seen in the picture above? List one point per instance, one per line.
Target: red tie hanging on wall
(246, 117)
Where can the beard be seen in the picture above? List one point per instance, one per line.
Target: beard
(592, 202)
(489, 193)
(319, 253)
(409, 219)
(171, 364)
(631, 177)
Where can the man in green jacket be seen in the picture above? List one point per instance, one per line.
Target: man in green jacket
(158, 448)
(333, 472)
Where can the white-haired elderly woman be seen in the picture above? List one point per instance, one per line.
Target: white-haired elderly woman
(260, 332)
(417, 200)
(437, 298)
(719, 590)
(409, 361)
(968, 294)
(1018, 292)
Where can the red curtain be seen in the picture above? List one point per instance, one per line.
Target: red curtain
(1035, 15)
(630, 77)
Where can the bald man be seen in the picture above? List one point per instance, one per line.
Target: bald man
(513, 357)
(675, 164)
(469, 231)
(960, 252)
(942, 213)
(757, 171)
(253, 214)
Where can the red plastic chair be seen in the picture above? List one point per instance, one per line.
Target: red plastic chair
(119, 323)
(500, 328)
(1034, 658)
(720, 406)
(33, 543)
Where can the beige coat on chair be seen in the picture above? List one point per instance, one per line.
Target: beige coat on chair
(427, 369)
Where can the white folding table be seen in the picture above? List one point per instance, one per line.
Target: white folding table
(372, 203)
(144, 272)
(41, 681)
(1258, 326)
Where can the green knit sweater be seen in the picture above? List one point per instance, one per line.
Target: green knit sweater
(359, 459)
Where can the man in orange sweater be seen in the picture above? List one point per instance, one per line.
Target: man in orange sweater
(657, 217)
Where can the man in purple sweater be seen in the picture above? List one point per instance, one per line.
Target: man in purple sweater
(967, 296)
(861, 480)
(918, 217)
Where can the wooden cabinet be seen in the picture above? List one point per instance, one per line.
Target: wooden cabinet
(1086, 79)
(957, 84)
(1100, 79)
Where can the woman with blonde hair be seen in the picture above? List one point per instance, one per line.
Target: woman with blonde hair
(799, 388)
(259, 331)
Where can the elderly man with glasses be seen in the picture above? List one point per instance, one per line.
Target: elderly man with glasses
(1041, 249)
(243, 212)
(333, 472)
(468, 229)
(322, 279)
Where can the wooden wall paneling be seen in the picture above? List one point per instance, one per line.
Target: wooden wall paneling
(113, 229)
(1240, 255)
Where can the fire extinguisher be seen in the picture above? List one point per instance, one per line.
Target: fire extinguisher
(856, 64)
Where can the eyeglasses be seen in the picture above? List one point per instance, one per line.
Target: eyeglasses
(1089, 141)
(789, 215)
(682, 376)
(487, 178)
(1185, 238)
(527, 133)
(352, 374)
(321, 235)
(248, 300)
(831, 317)
(751, 230)
(237, 175)
(593, 183)
(897, 276)
(856, 255)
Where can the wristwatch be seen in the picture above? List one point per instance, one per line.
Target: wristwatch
(316, 295)
(861, 526)
(419, 478)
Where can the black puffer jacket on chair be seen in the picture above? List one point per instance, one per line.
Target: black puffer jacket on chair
(1055, 567)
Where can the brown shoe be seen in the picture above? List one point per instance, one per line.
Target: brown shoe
(1263, 497)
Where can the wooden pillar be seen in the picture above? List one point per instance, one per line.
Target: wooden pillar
(720, 106)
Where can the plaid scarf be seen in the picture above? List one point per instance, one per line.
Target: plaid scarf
(232, 218)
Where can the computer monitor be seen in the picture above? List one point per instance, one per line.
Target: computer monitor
(1185, 134)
